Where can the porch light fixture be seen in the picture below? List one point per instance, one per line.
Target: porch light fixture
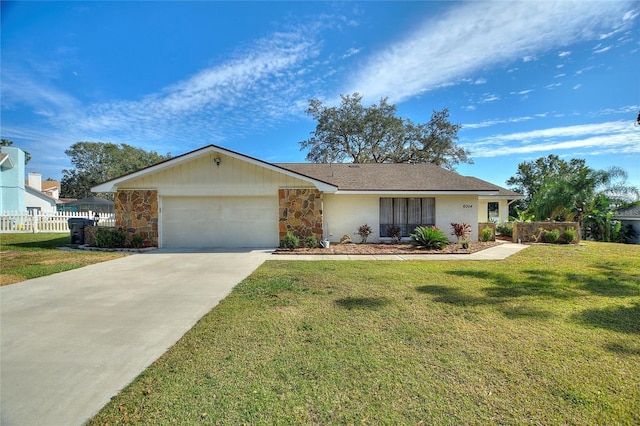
(217, 160)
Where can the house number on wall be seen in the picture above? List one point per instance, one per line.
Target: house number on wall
(467, 206)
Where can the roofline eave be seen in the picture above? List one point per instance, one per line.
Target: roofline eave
(415, 192)
(112, 185)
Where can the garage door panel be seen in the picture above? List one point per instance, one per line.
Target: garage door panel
(219, 221)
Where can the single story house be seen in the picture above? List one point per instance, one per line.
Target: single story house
(215, 197)
(35, 200)
(630, 217)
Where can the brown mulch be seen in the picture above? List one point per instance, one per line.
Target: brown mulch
(379, 249)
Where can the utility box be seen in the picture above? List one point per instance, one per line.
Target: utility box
(76, 227)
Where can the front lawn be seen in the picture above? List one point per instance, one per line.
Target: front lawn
(26, 255)
(549, 336)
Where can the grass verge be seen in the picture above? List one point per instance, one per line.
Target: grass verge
(549, 336)
(25, 256)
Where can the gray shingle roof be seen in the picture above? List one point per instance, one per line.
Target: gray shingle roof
(392, 177)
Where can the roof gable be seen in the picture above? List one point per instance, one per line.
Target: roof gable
(112, 185)
(6, 162)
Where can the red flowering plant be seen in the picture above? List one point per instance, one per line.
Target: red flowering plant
(461, 230)
(364, 231)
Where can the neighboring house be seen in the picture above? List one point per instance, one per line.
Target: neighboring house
(214, 197)
(12, 188)
(18, 195)
(630, 217)
(51, 188)
(35, 199)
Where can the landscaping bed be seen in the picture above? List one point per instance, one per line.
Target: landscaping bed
(381, 249)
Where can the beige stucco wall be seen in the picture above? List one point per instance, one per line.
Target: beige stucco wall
(343, 214)
(457, 209)
(202, 177)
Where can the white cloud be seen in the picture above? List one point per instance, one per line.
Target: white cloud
(577, 86)
(602, 49)
(474, 35)
(351, 52)
(583, 70)
(627, 109)
(264, 80)
(522, 92)
(489, 97)
(564, 53)
(615, 136)
(488, 123)
(22, 88)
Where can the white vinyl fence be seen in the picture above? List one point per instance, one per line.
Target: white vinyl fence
(48, 222)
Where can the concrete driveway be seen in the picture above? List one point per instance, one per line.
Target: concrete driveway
(71, 341)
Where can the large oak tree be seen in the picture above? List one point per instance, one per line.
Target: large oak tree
(97, 162)
(355, 133)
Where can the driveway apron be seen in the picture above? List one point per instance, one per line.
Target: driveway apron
(71, 341)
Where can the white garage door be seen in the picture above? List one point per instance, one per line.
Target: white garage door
(219, 221)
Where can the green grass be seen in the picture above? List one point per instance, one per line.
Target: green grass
(26, 255)
(549, 336)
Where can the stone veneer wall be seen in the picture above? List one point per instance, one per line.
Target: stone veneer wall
(527, 232)
(300, 212)
(483, 225)
(137, 214)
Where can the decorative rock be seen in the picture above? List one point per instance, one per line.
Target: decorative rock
(345, 239)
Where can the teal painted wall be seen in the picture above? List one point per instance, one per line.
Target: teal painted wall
(12, 181)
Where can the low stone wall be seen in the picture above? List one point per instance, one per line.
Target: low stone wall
(491, 225)
(533, 232)
(300, 212)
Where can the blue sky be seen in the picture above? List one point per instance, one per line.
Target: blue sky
(525, 79)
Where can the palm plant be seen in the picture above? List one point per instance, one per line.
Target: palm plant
(429, 237)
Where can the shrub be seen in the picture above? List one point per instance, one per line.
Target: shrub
(505, 229)
(364, 231)
(395, 233)
(137, 241)
(570, 235)
(311, 242)
(625, 234)
(110, 238)
(430, 238)
(290, 241)
(460, 230)
(486, 234)
(551, 236)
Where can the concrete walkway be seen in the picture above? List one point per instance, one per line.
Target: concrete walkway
(498, 252)
(71, 341)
